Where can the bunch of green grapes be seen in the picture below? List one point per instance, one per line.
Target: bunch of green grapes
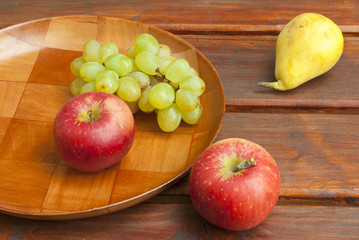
(148, 78)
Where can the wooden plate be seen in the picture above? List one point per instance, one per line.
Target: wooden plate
(34, 84)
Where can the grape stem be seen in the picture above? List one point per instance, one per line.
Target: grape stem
(160, 77)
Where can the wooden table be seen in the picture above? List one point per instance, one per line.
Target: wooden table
(312, 131)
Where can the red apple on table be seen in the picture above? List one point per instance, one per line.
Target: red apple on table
(234, 184)
(93, 131)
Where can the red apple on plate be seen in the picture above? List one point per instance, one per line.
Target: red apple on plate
(234, 184)
(93, 131)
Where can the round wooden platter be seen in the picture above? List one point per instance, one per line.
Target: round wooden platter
(34, 83)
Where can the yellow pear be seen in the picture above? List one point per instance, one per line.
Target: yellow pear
(308, 46)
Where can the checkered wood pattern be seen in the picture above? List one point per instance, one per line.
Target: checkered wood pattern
(34, 83)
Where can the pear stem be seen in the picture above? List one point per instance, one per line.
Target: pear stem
(246, 164)
(267, 84)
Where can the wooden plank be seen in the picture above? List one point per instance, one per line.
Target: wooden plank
(229, 12)
(181, 221)
(238, 29)
(316, 153)
(247, 60)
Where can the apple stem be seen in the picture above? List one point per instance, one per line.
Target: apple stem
(91, 116)
(246, 164)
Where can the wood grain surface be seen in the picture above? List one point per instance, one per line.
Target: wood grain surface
(225, 16)
(311, 131)
(181, 221)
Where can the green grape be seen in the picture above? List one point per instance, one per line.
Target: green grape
(192, 117)
(143, 102)
(194, 84)
(88, 87)
(161, 95)
(131, 52)
(90, 70)
(128, 90)
(177, 70)
(186, 100)
(133, 106)
(107, 81)
(76, 65)
(164, 51)
(91, 51)
(147, 62)
(134, 66)
(146, 42)
(107, 50)
(76, 85)
(169, 118)
(192, 71)
(119, 63)
(142, 78)
(153, 81)
(164, 63)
